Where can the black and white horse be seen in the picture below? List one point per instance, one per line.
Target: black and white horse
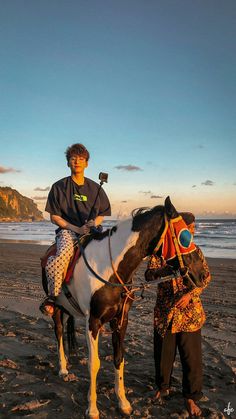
(131, 241)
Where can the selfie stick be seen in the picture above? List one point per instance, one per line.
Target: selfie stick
(103, 178)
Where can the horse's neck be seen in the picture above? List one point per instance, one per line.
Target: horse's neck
(125, 251)
(124, 238)
(113, 249)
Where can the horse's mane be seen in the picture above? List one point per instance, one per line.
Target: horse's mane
(138, 213)
(144, 214)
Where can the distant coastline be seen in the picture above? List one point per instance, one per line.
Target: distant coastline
(21, 220)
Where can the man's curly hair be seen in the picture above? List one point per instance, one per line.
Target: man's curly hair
(77, 150)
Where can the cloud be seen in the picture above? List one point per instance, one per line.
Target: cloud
(39, 198)
(208, 183)
(8, 170)
(146, 192)
(156, 196)
(128, 168)
(194, 186)
(42, 189)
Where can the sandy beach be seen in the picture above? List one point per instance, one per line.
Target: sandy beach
(29, 382)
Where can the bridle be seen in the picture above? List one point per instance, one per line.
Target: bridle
(184, 270)
(176, 273)
(131, 288)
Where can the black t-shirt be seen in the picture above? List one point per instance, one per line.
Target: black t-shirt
(73, 202)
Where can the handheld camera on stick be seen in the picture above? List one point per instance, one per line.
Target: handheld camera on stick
(103, 177)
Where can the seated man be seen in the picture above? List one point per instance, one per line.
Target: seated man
(178, 318)
(75, 206)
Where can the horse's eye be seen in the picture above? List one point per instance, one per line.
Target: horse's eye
(185, 238)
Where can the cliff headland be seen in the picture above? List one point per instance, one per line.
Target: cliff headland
(16, 207)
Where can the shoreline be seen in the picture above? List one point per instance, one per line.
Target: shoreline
(46, 244)
(16, 241)
(28, 353)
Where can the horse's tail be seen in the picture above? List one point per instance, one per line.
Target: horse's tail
(44, 281)
(71, 337)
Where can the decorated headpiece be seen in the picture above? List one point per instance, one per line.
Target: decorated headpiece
(176, 238)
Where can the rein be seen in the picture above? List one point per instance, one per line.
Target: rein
(121, 284)
(129, 293)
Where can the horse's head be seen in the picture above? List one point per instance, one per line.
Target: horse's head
(178, 248)
(166, 232)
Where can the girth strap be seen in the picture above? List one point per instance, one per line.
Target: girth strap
(71, 299)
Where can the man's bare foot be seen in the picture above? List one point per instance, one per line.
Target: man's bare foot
(160, 395)
(192, 408)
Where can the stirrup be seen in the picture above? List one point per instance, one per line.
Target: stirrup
(49, 301)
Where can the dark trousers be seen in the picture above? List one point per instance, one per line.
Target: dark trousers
(190, 351)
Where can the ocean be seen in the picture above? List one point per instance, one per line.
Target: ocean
(217, 238)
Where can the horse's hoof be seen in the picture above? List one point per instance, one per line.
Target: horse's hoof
(91, 416)
(63, 373)
(70, 377)
(127, 412)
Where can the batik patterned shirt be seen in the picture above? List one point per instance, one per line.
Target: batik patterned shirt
(166, 314)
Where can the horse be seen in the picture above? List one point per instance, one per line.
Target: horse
(129, 242)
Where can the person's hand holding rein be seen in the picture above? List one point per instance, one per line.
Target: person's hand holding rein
(95, 226)
(90, 223)
(84, 229)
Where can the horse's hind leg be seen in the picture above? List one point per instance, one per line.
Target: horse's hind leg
(118, 348)
(58, 328)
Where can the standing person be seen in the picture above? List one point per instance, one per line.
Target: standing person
(75, 206)
(178, 318)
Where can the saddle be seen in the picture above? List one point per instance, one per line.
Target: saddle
(51, 251)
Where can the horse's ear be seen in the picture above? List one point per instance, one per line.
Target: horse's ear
(170, 209)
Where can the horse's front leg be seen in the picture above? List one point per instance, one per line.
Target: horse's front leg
(58, 328)
(92, 336)
(118, 336)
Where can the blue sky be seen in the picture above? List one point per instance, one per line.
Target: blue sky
(148, 86)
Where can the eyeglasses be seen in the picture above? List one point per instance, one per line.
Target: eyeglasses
(77, 157)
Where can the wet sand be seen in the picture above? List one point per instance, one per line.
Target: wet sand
(29, 382)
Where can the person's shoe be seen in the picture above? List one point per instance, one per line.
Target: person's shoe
(48, 306)
(192, 408)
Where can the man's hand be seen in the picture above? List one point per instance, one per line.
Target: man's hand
(183, 301)
(90, 223)
(149, 275)
(83, 230)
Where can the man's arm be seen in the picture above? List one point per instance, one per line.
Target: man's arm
(157, 268)
(196, 292)
(59, 221)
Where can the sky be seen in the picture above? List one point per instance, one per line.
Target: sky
(148, 86)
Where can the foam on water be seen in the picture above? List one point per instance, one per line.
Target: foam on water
(217, 238)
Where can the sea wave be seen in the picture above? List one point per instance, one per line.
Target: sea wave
(216, 237)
